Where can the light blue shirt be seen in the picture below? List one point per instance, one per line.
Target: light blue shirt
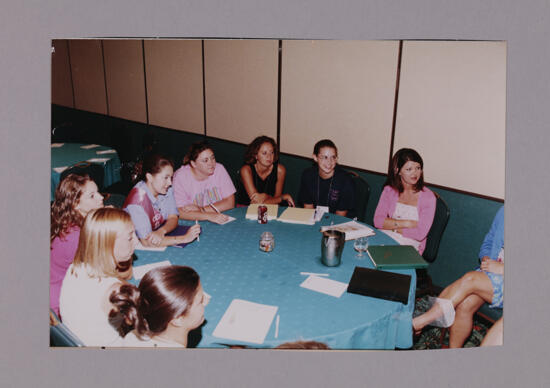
(165, 203)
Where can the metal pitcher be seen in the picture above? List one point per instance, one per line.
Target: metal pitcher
(332, 245)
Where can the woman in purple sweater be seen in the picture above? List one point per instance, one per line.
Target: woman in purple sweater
(406, 207)
(75, 196)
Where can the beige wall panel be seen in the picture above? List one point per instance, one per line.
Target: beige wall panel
(125, 79)
(341, 90)
(452, 101)
(88, 75)
(241, 88)
(173, 71)
(62, 88)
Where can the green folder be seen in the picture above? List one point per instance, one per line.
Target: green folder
(395, 257)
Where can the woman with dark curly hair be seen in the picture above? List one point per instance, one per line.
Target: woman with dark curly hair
(75, 196)
(262, 176)
(168, 303)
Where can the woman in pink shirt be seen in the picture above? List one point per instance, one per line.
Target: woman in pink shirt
(202, 187)
(406, 207)
(75, 196)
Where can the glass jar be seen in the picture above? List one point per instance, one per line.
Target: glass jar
(267, 242)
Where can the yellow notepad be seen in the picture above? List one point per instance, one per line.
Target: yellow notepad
(252, 211)
(296, 215)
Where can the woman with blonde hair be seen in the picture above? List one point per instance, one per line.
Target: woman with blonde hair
(103, 261)
(75, 196)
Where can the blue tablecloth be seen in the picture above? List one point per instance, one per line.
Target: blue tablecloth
(70, 154)
(231, 266)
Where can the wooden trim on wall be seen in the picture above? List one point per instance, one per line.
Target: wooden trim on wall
(70, 71)
(145, 81)
(396, 100)
(105, 78)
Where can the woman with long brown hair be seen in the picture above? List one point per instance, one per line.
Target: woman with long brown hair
(168, 303)
(75, 196)
(152, 206)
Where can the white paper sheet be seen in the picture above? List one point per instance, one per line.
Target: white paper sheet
(106, 152)
(140, 247)
(245, 321)
(60, 169)
(98, 160)
(141, 270)
(88, 146)
(228, 220)
(57, 145)
(325, 286)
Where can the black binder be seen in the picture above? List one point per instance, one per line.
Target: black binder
(380, 284)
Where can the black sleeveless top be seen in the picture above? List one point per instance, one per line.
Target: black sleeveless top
(262, 186)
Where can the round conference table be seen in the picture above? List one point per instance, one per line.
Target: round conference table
(231, 266)
(65, 155)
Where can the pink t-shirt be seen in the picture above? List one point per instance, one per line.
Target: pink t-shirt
(188, 190)
(61, 256)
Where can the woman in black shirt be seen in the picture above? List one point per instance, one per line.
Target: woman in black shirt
(262, 177)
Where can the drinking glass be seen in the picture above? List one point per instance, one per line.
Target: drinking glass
(360, 245)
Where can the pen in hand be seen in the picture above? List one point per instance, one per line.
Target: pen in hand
(198, 236)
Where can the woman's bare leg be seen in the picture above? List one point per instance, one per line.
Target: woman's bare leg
(494, 335)
(473, 282)
(464, 320)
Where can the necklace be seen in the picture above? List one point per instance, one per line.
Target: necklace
(329, 187)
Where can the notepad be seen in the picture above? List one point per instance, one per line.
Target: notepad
(324, 285)
(395, 257)
(296, 215)
(141, 270)
(89, 146)
(252, 211)
(351, 229)
(106, 152)
(245, 321)
(380, 284)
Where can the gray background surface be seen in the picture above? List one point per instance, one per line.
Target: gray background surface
(27, 28)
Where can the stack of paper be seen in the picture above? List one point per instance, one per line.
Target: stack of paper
(252, 211)
(295, 215)
(351, 229)
(245, 321)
